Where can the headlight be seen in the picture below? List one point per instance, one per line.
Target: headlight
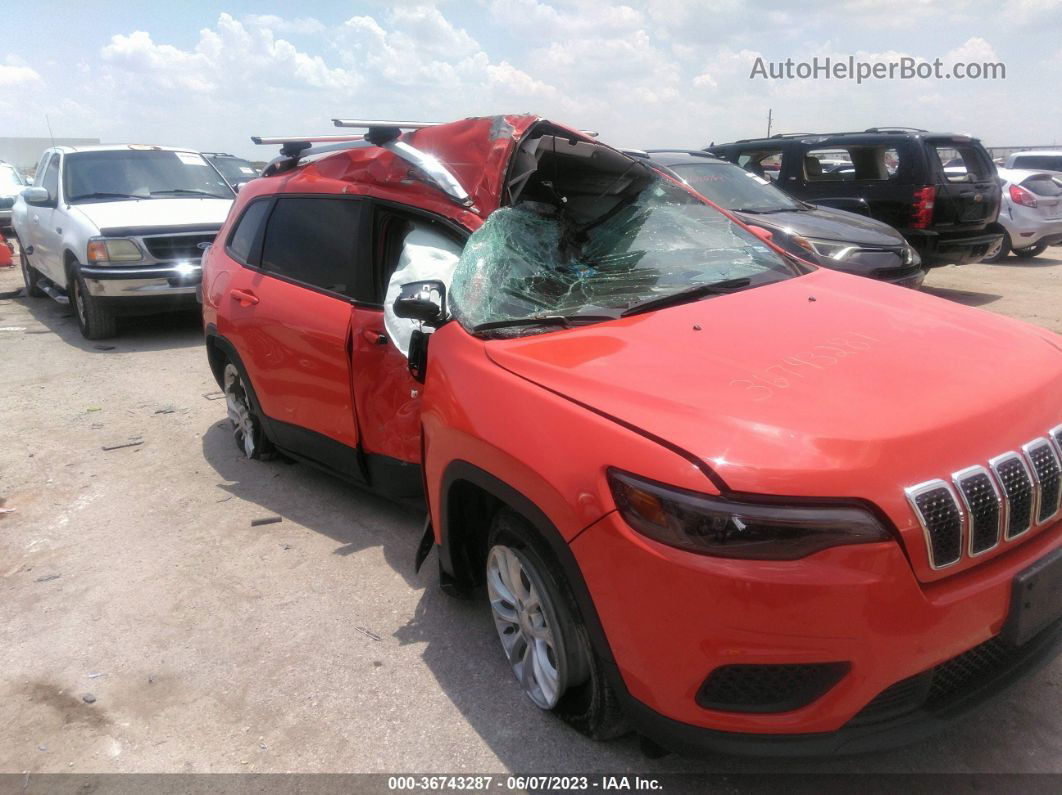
(910, 257)
(101, 249)
(715, 526)
(831, 249)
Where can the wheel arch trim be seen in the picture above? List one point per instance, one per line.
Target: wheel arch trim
(459, 470)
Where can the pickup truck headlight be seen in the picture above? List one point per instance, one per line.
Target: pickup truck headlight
(117, 250)
(725, 528)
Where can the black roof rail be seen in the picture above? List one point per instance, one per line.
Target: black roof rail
(894, 129)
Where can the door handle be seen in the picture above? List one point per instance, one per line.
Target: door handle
(245, 298)
(374, 337)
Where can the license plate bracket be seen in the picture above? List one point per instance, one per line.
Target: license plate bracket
(1036, 598)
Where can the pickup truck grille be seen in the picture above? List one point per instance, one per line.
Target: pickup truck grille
(969, 515)
(172, 247)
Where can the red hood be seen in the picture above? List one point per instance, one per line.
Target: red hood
(823, 385)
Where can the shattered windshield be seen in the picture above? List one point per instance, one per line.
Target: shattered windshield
(534, 261)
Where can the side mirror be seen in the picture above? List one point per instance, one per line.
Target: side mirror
(36, 195)
(424, 301)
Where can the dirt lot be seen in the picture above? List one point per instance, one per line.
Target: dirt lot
(309, 645)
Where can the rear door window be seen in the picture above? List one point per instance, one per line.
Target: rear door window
(315, 241)
(851, 164)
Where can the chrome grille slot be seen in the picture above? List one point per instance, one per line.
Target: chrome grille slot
(1048, 473)
(942, 521)
(1056, 435)
(184, 247)
(1013, 476)
(983, 504)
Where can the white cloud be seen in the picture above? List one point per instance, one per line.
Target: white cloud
(14, 72)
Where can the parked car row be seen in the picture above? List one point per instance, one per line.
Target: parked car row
(706, 489)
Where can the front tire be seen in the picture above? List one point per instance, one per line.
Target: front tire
(30, 275)
(1030, 251)
(247, 430)
(1000, 253)
(542, 632)
(93, 318)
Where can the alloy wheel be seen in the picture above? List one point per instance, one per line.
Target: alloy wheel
(239, 409)
(524, 618)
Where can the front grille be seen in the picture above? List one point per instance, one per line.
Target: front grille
(768, 688)
(953, 680)
(174, 247)
(941, 519)
(983, 506)
(1018, 488)
(1045, 467)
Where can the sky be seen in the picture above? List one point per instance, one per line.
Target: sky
(653, 73)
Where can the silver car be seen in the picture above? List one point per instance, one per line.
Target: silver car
(11, 185)
(1031, 212)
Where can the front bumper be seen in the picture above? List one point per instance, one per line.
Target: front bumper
(937, 249)
(671, 618)
(158, 281)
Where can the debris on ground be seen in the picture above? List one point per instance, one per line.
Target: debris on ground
(96, 676)
(265, 520)
(214, 395)
(12, 328)
(88, 698)
(48, 577)
(166, 410)
(124, 444)
(93, 408)
(368, 633)
(103, 347)
(225, 499)
(7, 510)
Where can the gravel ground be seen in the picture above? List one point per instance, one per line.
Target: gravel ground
(134, 577)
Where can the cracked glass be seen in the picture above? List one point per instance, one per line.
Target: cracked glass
(534, 260)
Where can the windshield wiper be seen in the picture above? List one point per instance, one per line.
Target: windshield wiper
(689, 294)
(755, 211)
(567, 321)
(189, 192)
(108, 195)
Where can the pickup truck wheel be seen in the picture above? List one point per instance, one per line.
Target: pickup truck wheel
(246, 428)
(542, 633)
(30, 275)
(1030, 251)
(94, 320)
(999, 254)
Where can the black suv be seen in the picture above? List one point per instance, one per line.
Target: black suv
(896, 175)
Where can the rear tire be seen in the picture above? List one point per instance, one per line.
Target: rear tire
(584, 698)
(95, 320)
(30, 275)
(247, 430)
(1030, 251)
(1001, 253)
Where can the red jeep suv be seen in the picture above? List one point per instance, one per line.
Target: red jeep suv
(714, 493)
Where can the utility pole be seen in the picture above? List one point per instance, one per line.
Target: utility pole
(769, 112)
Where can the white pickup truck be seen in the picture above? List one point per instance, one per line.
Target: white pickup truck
(118, 229)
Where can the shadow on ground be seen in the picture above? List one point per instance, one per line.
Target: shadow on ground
(967, 297)
(156, 332)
